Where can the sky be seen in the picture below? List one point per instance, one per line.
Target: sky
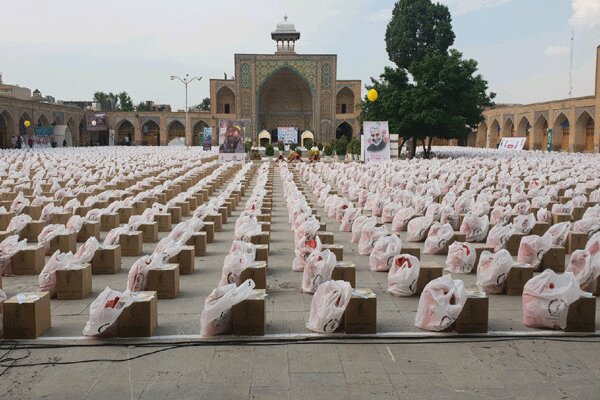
(71, 48)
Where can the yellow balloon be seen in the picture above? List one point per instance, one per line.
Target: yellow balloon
(372, 95)
(27, 124)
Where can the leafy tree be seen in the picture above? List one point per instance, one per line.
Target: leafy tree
(205, 105)
(120, 101)
(341, 145)
(269, 150)
(142, 106)
(247, 146)
(125, 102)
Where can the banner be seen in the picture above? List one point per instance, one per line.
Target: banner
(231, 140)
(512, 143)
(207, 138)
(96, 121)
(287, 135)
(376, 139)
(43, 131)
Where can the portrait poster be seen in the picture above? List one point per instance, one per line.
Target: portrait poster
(207, 138)
(376, 136)
(231, 140)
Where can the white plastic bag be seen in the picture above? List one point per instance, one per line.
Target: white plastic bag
(418, 228)
(216, 315)
(86, 251)
(547, 297)
(558, 233)
(524, 223)
(403, 275)
(532, 250)
(137, 278)
(440, 304)
(438, 238)
(475, 227)
(369, 235)
(402, 218)
(384, 251)
(492, 270)
(328, 305)
(233, 265)
(498, 236)
(104, 312)
(58, 260)
(586, 272)
(357, 225)
(461, 258)
(318, 269)
(350, 214)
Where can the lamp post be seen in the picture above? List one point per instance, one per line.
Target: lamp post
(186, 81)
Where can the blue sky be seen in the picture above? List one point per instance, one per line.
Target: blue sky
(71, 48)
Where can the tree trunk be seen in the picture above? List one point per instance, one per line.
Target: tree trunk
(413, 148)
(429, 140)
(401, 146)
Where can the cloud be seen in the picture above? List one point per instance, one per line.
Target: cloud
(466, 6)
(586, 13)
(556, 50)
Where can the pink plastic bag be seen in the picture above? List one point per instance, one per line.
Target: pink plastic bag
(492, 270)
(383, 253)
(403, 275)
(8, 248)
(586, 272)
(524, 223)
(58, 260)
(86, 251)
(438, 238)
(302, 251)
(233, 265)
(369, 235)
(75, 223)
(248, 228)
(547, 297)
(532, 250)
(104, 312)
(48, 233)
(449, 216)
(500, 215)
(440, 304)
(559, 233)
(350, 214)
(216, 315)
(17, 223)
(588, 225)
(112, 237)
(318, 269)
(402, 218)
(543, 215)
(328, 305)
(389, 212)
(461, 258)
(137, 279)
(418, 228)
(498, 236)
(357, 225)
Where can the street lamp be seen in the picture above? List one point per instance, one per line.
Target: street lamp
(186, 81)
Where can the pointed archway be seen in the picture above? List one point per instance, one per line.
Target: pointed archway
(540, 133)
(344, 129)
(561, 133)
(150, 133)
(6, 130)
(198, 133)
(176, 131)
(125, 133)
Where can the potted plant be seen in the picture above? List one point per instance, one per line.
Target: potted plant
(356, 150)
(328, 150)
(280, 146)
(269, 150)
(341, 145)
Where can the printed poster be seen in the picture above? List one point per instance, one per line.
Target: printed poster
(376, 137)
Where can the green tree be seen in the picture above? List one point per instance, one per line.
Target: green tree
(143, 106)
(120, 101)
(433, 92)
(125, 102)
(205, 105)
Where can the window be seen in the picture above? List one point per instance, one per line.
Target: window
(343, 108)
(226, 108)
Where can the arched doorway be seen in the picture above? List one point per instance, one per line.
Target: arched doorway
(508, 130)
(264, 138)
(23, 130)
(584, 133)
(225, 101)
(176, 131)
(481, 138)
(540, 133)
(344, 129)
(524, 130)
(198, 133)
(285, 100)
(84, 136)
(6, 130)
(495, 134)
(561, 132)
(345, 101)
(151, 134)
(125, 133)
(308, 139)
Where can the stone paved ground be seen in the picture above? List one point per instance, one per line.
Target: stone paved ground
(529, 369)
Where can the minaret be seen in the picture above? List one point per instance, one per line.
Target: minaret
(285, 35)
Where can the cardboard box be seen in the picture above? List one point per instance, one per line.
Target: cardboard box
(322, 226)
(29, 261)
(458, 237)
(149, 232)
(474, 316)
(217, 220)
(249, 316)
(65, 243)
(360, 316)
(26, 315)
(326, 237)
(577, 213)
(88, 230)
(75, 283)
(5, 218)
(264, 217)
(344, 271)
(140, 319)
(82, 210)
(109, 221)
(223, 212)
(554, 259)
(164, 222)
(263, 238)
(540, 228)
(513, 243)
(479, 248)
(581, 316)
(107, 260)
(265, 226)
(414, 251)
(184, 206)
(257, 272)
(185, 259)
(262, 253)
(560, 217)
(164, 281)
(175, 214)
(428, 272)
(35, 212)
(576, 241)
(336, 249)
(209, 228)
(125, 213)
(60, 218)
(139, 207)
(198, 240)
(131, 244)
(516, 279)
(32, 230)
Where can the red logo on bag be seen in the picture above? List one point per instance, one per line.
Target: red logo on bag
(551, 285)
(311, 243)
(466, 249)
(111, 303)
(401, 260)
